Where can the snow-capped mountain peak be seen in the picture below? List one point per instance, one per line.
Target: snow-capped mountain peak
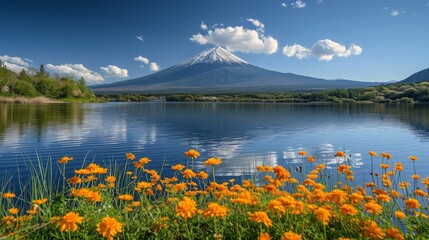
(215, 55)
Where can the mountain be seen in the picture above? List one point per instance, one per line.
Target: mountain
(421, 76)
(218, 71)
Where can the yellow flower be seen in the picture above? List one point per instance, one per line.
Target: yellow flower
(373, 207)
(302, 153)
(130, 156)
(394, 233)
(323, 215)
(126, 197)
(400, 214)
(412, 203)
(69, 222)
(178, 167)
(109, 227)
(110, 179)
(9, 195)
(383, 197)
(142, 185)
(213, 161)
(129, 173)
(188, 173)
(34, 210)
(186, 208)
(372, 154)
(291, 236)
(260, 217)
(40, 201)
(215, 210)
(65, 159)
(398, 167)
(413, 158)
(13, 211)
(264, 236)
(347, 209)
(192, 154)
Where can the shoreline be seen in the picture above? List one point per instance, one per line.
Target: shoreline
(28, 100)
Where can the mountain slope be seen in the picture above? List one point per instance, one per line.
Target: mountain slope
(217, 70)
(417, 77)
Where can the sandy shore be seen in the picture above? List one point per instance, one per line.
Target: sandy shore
(28, 100)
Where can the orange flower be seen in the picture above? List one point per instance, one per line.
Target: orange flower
(302, 153)
(126, 197)
(213, 161)
(281, 173)
(372, 230)
(40, 201)
(412, 203)
(420, 193)
(383, 197)
(9, 195)
(215, 210)
(264, 236)
(178, 167)
(394, 233)
(347, 209)
(142, 185)
(415, 177)
(109, 227)
(398, 167)
(311, 159)
(13, 211)
(323, 215)
(413, 158)
(130, 156)
(186, 208)
(192, 154)
(65, 159)
(188, 173)
(338, 196)
(202, 175)
(144, 160)
(373, 207)
(69, 222)
(400, 214)
(260, 217)
(291, 236)
(75, 180)
(372, 154)
(110, 179)
(340, 154)
(386, 155)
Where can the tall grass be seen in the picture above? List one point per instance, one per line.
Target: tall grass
(128, 200)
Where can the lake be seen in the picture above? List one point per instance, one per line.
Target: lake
(243, 135)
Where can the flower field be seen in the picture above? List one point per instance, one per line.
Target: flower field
(137, 202)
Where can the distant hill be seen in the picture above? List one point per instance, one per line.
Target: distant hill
(421, 76)
(217, 70)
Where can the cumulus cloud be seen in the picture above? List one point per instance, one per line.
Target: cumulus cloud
(141, 59)
(324, 50)
(299, 4)
(140, 38)
(15, 64)
(257, 24)
(203, 26)
(284, 5)
(114, 71)
(394, 13)
(238, 39)
(154, 67)
(77, 71)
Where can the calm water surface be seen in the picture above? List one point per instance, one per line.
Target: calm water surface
(243, 135)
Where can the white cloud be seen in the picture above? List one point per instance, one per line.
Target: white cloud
(238, 39)
(320, 1)
(114, 71)
(284, 5)
(141, 59)
(154, 67)
(324, 50)
(140, 38)
(77, 71)
(257, 24)
(203, 26)
(299, 4)
(394, 13)
(15, 64)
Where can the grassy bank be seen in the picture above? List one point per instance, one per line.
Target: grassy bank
(136, 202)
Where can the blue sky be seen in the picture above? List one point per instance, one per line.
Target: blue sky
(108, 41)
